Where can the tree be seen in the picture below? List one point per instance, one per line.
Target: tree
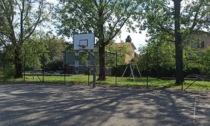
(33, 53)
(178, 42)
(178, 22)
(55, 46)
(6, 61)
(104, 18)
(159, 56)
(56, 49)
(19, 19)
(205, 61)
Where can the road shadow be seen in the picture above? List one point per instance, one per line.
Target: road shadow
(66, 105)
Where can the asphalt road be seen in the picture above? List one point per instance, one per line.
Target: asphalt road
(68, 105)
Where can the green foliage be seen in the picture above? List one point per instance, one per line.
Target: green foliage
(195, 56)
(176, 20)
(6, 62)
(160, 54)
(6, 66)
(159, 16)
(83, 56)
(192, 58)
(39, 52)
(31, 54)
(8, 70)
(19, 20)
(55, 48)
(205, 61)
(34, 53)
(104, 18)
(114, 52)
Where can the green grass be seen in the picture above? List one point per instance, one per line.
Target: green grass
(111, 81)
(197, 85)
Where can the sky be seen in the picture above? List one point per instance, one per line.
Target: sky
(138, 39)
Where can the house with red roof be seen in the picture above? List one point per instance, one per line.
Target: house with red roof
(131, 54)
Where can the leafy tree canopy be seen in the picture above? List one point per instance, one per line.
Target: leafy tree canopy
(104, 18)
(19, 20)
(159, 16)
(176, 19)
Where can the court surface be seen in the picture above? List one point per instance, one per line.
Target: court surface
(71, 105)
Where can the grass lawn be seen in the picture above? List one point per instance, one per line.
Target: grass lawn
(111, 81)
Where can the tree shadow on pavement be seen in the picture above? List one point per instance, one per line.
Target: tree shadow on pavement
(62, 105)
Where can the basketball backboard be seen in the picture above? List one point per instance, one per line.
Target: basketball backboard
(84, 41)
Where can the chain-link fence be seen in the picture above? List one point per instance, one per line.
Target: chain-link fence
(195, 71)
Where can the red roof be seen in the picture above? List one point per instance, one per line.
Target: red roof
(121, 44)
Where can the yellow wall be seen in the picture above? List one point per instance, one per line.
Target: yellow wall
(131, 53)
(203, 36)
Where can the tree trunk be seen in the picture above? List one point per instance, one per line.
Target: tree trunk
(178, 44)
(102, 66)
(18, 64)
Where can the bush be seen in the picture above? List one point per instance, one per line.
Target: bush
(8, 71)
(54, 66)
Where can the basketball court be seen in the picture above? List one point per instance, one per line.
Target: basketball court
(77, 105)
(80, 105)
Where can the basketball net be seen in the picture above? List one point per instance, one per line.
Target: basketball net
(81, 47)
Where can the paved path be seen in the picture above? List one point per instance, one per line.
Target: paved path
(61, 105)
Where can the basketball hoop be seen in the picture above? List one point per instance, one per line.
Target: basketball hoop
(81, 47)
(84, 41)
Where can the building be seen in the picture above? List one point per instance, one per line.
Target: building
(199, 39)
(131, 54)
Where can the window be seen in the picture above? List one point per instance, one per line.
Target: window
(202, 44)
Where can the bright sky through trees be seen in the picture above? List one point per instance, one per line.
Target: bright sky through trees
(137, 38)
